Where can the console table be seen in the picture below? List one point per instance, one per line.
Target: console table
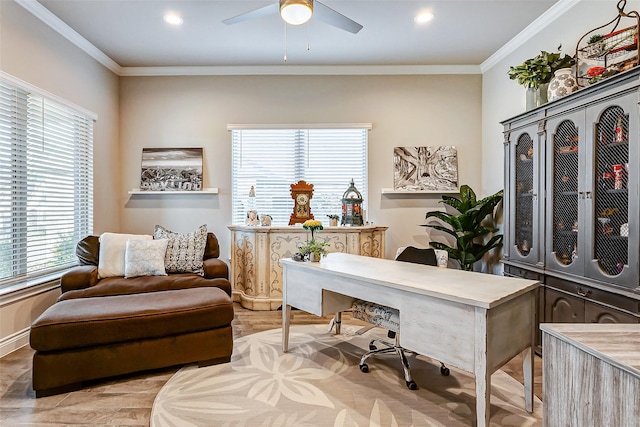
(591, 374)
(256, 272)
(476, 322)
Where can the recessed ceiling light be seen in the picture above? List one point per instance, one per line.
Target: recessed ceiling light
(173, 18)
(423, 17)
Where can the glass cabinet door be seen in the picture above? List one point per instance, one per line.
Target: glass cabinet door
(524, 217)
(589, 181)
(566, 219)
(608, 202)
(524, 195)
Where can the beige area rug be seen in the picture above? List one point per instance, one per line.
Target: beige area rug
(318, 383)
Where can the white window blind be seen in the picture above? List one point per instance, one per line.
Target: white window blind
(272, 159)
(46, 183)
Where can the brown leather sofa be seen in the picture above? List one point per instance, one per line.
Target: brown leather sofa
(83, 281)
(106, 327)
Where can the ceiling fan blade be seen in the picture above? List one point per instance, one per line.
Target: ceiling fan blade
(253, 14)
(329, 16)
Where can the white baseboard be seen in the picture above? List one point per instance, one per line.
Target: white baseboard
(14, 341)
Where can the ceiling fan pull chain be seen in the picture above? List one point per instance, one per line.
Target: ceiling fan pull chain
(285, 42)
(308, 36)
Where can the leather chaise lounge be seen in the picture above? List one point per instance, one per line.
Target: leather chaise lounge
(106, 327)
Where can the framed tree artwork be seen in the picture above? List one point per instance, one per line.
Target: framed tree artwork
(425, 168)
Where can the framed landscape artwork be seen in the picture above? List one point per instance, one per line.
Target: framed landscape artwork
(425, 168)
(171, 169)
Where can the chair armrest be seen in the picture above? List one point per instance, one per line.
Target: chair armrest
(215, 268)
(80, 277)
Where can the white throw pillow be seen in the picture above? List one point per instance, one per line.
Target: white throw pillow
(112, 248)
(145, 258)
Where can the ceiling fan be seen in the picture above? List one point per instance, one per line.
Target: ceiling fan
(297, 12)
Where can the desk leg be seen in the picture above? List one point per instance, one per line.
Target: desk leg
(482, 375)
(527, 360)
(527, 370)
(286, 320)
(338, 319)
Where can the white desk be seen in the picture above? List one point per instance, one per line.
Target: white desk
(475, 322)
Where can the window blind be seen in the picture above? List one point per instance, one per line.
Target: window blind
(272, 159)
(46, 183)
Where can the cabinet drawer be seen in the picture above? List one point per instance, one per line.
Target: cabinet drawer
(510, 270)
(596, 313)
(622, 302)
(561, 307)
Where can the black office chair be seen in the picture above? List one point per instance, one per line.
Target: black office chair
(389, 318)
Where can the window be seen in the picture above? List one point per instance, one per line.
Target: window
(271, 159)
(46, 182)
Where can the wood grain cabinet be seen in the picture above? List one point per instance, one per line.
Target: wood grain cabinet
(572, 209)
(591, 375)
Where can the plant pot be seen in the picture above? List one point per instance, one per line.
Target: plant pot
(541, 94)
(531, 99)
(536, 97)
(562, 84)
(313, 257)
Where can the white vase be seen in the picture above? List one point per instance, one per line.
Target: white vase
(562, 84)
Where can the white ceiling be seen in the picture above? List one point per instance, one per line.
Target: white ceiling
(133, 34)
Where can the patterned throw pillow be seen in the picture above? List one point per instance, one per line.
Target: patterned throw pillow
(184, 251)
(145, 258)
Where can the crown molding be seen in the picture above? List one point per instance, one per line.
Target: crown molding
(46, 16)
(289, 70)
(550, 15)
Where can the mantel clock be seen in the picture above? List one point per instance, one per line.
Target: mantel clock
(301, 193)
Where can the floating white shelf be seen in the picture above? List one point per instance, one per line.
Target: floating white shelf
(204, 191)
(417, 192)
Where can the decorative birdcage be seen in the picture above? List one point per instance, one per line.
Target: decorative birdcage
(600, 55)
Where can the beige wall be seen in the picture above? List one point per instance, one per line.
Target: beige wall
(34, 53)
(194, 112)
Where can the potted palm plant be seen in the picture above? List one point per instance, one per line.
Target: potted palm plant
(469, 227)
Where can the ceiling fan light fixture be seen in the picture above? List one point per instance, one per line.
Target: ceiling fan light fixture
(296, 12)
(424, 17)
(173, 18)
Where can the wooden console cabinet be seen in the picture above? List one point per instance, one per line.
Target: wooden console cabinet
(256, 273)
(572, 205)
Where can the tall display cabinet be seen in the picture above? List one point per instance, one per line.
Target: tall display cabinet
(572, 202)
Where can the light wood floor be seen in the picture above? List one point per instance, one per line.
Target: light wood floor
(127, 400)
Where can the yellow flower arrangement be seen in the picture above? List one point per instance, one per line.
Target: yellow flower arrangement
(312, 224)
(318, 248)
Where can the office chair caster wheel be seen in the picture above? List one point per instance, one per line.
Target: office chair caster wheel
(445, 371)
(372, 347)
(412, 385)
(364, 368)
